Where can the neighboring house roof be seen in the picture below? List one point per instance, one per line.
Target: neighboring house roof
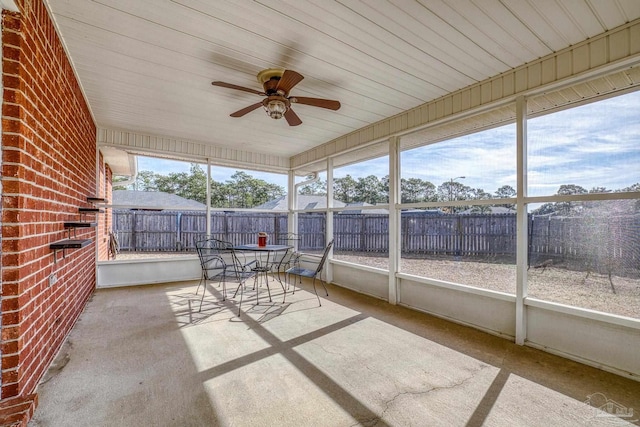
(153, 200)
(364, 211)
(304, 202)
(492, 210)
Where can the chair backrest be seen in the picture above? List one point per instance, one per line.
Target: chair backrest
(213, 245)
(324, 257)
(210, 253)
(290, 239)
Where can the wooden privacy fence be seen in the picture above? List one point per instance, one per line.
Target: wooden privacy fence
(169, 231)
(598, 243)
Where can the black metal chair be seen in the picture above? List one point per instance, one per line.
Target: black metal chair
(290, 256)
(243, 271)
(208, 249)
(216, 268)
(312, 274)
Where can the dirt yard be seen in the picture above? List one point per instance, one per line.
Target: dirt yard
(552, 284)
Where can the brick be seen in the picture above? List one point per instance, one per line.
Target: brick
(10, 361)
(9, 390)
(9, 304)
(12, 53)
(11, 38)
(10, 318)
(10, 376)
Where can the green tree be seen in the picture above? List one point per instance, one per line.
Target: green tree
(318, 188)
(563, 208)
(241, 191)
(245, 191)
(196, 185)
(569, 208)
(344, 189)
(369, 190)
(479, 194)
(191, 185)
(417, 190)
(145, 181)
(219, 196)
(505, 192)
(452, 191)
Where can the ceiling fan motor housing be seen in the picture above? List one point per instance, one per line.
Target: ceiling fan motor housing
(269, 80)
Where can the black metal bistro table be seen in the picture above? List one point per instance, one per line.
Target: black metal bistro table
(264, 265)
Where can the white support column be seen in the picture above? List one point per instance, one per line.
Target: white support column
(395, 246)
(522, 221)
(208, 201)
(292, 202)
(329, 220)
(97, 192)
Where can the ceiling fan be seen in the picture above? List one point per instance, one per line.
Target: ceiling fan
(277, 83)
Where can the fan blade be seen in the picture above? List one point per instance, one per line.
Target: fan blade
(246, 110)
(288, 80)
(236, 87)
(292, 118)
(316, 102)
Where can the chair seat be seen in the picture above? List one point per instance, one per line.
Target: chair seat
(298, 271)
(312, 274)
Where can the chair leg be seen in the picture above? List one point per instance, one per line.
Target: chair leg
(200, 283)
(325, 288)
(287, 277)
(284, 292)
(266, 281)
(316, 291)
(241, 295)
(204, 291)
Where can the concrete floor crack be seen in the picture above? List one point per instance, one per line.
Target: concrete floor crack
(398, 395)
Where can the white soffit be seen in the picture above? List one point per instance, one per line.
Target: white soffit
(120, 162)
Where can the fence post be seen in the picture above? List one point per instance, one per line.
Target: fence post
(459, 240)
(179, 232)
(134, 235)
(226, 227)
(363, 232)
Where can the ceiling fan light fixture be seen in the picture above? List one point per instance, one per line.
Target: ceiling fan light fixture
(275, 109)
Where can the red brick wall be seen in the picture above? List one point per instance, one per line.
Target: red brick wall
(48, 170)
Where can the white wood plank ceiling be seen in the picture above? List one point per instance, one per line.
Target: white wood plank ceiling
(146, 66)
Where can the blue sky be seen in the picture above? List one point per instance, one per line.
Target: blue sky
(597, 144)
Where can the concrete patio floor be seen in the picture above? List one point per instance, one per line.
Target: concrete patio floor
(145, 356)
